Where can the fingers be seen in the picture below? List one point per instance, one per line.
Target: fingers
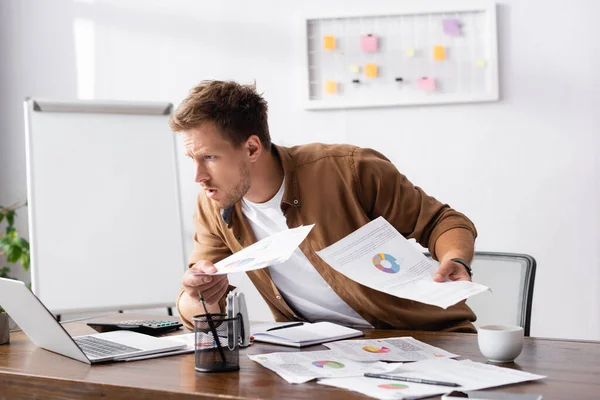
(451, 271)
(213, 294)
(197, 280)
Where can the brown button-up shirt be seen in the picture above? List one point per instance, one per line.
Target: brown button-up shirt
(340, 188)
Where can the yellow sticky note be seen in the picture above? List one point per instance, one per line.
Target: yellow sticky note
(329, 42)
(439, 53)
(355, 69)
(371, 70)
(410, 52)
(330, 86)
(480, 63)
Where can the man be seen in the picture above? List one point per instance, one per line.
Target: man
(252, 188)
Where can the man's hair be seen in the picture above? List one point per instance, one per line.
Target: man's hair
(238, 111)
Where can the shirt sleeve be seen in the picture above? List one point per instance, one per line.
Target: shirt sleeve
(383, 191)
(208, 245)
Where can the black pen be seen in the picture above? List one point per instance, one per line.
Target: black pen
(412, 380)
(285, 326)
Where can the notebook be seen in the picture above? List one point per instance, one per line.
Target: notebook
(306, 334)
(42, 328)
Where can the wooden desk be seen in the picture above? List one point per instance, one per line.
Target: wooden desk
(27, 372)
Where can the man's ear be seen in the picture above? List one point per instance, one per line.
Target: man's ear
(254, 148)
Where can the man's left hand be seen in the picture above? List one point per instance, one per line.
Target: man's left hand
(451, 271)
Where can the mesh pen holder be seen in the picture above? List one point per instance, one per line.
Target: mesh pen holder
(217, 343)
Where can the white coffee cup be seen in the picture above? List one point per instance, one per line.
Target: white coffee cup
(500, 343)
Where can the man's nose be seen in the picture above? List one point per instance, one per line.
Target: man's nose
(201, 175)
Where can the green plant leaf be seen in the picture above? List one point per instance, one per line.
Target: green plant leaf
(24, 260)
(1, 215)
(13, 254)
(4, 272)
(10, 218)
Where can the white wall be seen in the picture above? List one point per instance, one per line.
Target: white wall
(525, 169)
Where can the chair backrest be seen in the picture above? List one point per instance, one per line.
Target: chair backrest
(511, 278)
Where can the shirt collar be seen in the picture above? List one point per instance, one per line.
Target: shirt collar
(290, 193)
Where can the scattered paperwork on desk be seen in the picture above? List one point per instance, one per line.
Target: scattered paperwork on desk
(187, 338)
(300, 367)
(272, 250)
(379, 257)
(306, 334)
(401, 349)
(470, 375)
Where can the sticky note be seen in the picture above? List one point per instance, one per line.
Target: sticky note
(427, 84)
(368, 43)
(480, 62)
(330, 86)
(371, 70)
(329, 42)
(439, 53)
(355, 69)
(410, 52)
(451, 27)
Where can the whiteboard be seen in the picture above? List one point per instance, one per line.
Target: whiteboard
(401, 54)
(104, 210)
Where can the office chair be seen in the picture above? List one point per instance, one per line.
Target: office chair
(511, 278)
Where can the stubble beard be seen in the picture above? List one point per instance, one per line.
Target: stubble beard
(240, 190)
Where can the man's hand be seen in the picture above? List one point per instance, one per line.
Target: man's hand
(197, 279)
(451, 271)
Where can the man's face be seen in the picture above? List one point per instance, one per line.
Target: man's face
(222, 170)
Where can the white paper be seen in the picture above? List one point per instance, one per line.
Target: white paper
(300, 367)
(306, 334)
(187, 338)
(390, 349)
(470, 375)
(379, 257)
(272, 250)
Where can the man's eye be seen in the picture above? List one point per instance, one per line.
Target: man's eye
(209, 158)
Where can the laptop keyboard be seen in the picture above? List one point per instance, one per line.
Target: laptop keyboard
(95, 347)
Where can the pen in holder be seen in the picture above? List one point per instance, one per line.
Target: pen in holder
(216, 344)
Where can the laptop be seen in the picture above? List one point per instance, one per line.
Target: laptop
(46, 332)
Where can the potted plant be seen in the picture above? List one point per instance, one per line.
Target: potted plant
(15, 250)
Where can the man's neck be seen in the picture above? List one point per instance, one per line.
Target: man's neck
(267, 178)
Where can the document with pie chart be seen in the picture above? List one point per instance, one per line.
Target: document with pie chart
(300, 367)
(269, 251)
(378, 256)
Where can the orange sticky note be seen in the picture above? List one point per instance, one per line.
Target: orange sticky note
(371, 70)
(329, 42)
(439, 53)
(330, 86)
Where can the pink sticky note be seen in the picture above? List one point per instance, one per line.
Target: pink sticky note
(368, 43)
(451, 27)
(427, 84)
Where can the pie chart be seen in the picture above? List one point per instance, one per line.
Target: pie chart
(393, 386)
(238, 264)
(386, 263)
(375, 349)
(328, 364)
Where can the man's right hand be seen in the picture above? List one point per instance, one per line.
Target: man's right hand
(197, 279)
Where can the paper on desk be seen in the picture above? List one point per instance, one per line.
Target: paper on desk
(272, 250)
(300, 367)
(470, 375)
(187, 338)
(379, 257)
(390, 349)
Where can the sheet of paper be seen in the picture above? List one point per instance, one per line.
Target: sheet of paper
(187, 338)
(379, 257)
(470, 375)
(300, 367)
(389, 349)
(272, 250)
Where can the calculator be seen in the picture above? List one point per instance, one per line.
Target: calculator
(149, 327)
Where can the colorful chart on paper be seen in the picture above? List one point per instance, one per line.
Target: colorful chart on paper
(238, 264)
(386, 263)
(393, 386)
(375, 349)
(328, 364)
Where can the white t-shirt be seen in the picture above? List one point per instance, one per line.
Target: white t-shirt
(297, 280)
